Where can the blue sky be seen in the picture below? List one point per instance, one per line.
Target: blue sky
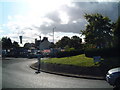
(31, 18)
(11, 9)
(7, 10)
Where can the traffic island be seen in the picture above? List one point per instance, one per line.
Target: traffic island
(72, 71)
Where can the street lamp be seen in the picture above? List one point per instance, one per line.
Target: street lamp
(53, 34)
(53, 39)
(40, 42)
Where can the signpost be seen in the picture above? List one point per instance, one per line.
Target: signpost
(97, 59)
(39, 59)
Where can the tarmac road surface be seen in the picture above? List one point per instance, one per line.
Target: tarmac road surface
(17, 74)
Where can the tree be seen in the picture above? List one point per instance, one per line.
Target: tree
(99, 31)
(15, 44)
(68, 43)
(117, 33)
(29, 45)
(76, 42)
(6, 43)
(63, 42)
(52, 45)
(67, 48)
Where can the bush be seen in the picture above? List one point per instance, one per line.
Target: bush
(70, 49)
(104, 52)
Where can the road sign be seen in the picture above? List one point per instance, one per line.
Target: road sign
(97, 59)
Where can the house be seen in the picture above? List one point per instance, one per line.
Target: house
(42, 44)
(29, 45)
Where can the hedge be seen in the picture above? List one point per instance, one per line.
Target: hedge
(104, 52)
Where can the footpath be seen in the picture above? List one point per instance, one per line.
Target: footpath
(48, 70)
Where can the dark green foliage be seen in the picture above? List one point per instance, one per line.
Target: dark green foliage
(73, 42)
(117, 33)
(104, 52)
(63, 42)
(6, 43)
(76, 42)
(15, 44)
(99, 30)
(52, 45)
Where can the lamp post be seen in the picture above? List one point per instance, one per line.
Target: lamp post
(53, 34)
(40, 42)
(53, 40)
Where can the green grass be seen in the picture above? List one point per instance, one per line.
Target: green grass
(79, 60)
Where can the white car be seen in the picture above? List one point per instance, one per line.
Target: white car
(113, 77)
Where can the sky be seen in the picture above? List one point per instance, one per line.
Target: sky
(34, 18)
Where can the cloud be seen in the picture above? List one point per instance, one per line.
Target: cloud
(54, 16)
(1, 31)
(69, 18)
(104, 8)
(9, 17)
(76, 16)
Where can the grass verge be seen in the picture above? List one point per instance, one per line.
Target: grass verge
(79, 60)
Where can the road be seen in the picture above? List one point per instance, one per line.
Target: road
(17, 74)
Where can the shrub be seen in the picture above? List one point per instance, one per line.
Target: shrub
(104, 52)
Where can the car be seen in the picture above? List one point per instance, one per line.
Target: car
(113, 77)
(35, 55)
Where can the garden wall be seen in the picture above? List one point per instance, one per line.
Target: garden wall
(94, 71)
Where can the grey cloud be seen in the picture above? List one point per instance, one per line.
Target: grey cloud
(53, 16)
(70, 27)
(76, 13)
(109, 9)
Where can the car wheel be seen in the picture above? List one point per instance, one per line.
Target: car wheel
(117, 83)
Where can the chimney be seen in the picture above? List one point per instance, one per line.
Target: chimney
(45, 38)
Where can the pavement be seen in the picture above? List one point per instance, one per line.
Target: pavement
(69, 75)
